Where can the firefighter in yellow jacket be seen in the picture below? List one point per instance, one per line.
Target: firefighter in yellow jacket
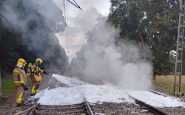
(28, 70)
(19, 77)
(36, 75)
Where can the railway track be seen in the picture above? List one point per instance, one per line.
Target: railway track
(140, 108)
(51, 110)
(148, 107)
(85, 108)
(80, 109)
(35, 109)
(76, 109)
(23, 110)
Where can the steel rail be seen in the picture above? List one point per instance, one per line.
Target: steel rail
(88, 107)
(150, 108)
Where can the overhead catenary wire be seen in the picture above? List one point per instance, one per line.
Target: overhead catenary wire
(65, 9)
(9, 23)
(66, 20)
(175, 5)
(67, 29)
(75, 4)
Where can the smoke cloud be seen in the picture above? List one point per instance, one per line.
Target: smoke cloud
(38, 21)
(102, 61)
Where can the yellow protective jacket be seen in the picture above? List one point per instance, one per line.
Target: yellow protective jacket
(37, 72)
(19, 76)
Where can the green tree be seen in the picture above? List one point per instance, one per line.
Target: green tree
(149, 22)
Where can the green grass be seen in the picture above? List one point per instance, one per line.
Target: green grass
(8, 89)
(8, 86)
(165, 84)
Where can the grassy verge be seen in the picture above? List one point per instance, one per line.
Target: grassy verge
(8, 88)
(165, 84)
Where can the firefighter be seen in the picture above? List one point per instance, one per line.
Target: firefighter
(36, 75)
(19, 77)
(28, 72)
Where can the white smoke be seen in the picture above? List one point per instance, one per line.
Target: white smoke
(101, 61)
(82, 22)
(73, 37)
(38, 21)
(33, 11)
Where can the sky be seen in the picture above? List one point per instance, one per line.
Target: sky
(101, 5)
(79, 22)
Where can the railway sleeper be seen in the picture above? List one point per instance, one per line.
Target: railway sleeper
(44, 112)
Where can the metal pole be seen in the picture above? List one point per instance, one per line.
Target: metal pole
(180, 44)
(180, 83)
(1, 93)
(174, 84)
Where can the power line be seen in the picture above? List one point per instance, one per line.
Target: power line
(75, 4)
(66, 20)
(174, 5)
(1, 15)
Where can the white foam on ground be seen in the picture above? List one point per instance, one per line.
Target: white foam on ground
(157, 100)
(75, 95)
(68, 81)
(77, 90)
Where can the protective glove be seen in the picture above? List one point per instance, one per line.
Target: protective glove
(25, 87)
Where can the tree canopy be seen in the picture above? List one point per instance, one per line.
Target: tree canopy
(152, 23)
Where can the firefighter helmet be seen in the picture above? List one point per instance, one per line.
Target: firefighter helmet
(39, 60)
(21, 62)
(29, 64)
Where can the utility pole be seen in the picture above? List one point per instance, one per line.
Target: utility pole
(179, 48)
(1, 92)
